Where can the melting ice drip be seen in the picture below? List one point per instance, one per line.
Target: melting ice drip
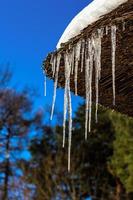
(94, 55)
(88, 80)
(113, 39)
(45, 84)
(67, 105)
(56, 72)
(97, 41)
(88, 53)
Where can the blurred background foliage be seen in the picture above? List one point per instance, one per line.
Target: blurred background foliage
(33, 164)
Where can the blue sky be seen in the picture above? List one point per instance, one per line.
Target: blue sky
(29, 30)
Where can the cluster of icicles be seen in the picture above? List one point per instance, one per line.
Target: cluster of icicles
(88, 53)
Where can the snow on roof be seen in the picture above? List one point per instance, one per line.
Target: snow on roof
(88, 15)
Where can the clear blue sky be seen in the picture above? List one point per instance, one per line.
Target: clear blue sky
(29, 30)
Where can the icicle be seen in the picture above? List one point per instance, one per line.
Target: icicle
(67, 104)
(87, 67)
(77, 58)
(88, 82)
(68, 61)
(73, 60)
(113, 40)
(70, 125)
(107, 30)
(65, 113)
(54, 65)
(45, 86)
(97, 50)
(82, 55)
(91, 55)
(55, 84)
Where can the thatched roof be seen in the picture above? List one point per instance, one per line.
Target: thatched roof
(122, 17)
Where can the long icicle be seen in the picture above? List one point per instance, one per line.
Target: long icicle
(68, 65)
(91, 56)
(70, 125)
(97, 56)
(113, 40)
(67, 104)
(87, 69)
(65, 98)
(82, 55)
(55, 84)
(87, 66)
(65, 113)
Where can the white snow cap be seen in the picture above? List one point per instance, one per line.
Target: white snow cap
(88, 15)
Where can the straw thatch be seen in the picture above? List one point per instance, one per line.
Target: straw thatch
(122, 17)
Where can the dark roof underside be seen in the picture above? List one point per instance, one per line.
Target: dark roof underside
(124, 61)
